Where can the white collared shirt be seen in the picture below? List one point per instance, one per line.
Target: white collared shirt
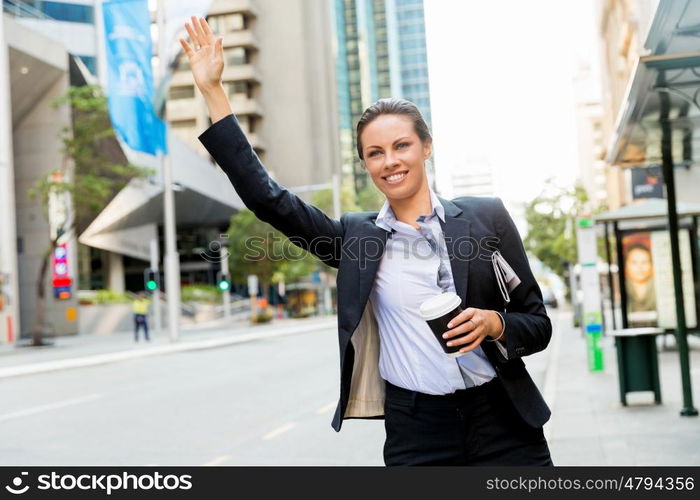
(410, 356)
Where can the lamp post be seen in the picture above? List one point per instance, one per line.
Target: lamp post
(172, 259)
(688, 409)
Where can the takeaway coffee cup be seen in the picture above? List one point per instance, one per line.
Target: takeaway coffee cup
(437, 312)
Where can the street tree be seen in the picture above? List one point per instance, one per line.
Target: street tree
(551, 221)
(93, 169)
(255, 247)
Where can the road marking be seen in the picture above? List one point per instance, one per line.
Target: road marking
(48, 407)
(280, 430)
(218, 460)
(552, 374)
(325, 409)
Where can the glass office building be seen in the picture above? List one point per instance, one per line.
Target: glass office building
(412, 53)
(380, 52)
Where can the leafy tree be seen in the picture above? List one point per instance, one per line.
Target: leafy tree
(255, 247)
(551, 220)
(92, 171)
(324, 199)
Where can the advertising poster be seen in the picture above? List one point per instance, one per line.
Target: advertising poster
(663, 279)
(648, 279)
(647, 182)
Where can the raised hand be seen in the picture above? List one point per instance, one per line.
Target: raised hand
(206, 54)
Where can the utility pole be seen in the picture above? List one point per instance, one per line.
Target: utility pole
(225, 275)
(667, 167)
(172, 259)
(156, 293)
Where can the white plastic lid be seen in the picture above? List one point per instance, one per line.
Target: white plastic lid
(439, 305)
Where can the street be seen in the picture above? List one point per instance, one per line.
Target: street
(266, 402)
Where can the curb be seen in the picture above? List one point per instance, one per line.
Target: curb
(549, 391)
(195, 345)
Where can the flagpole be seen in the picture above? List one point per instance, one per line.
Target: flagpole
(172, 259)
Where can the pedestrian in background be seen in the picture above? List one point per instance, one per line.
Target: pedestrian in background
(141, 316)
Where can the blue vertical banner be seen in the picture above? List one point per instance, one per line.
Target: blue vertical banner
(130, 75)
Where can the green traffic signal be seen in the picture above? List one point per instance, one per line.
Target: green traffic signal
(151, 285)
(224, 285)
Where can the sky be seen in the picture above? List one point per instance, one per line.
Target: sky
(501, 76)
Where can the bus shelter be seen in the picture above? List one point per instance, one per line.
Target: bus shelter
(641, 243)
(659, 124)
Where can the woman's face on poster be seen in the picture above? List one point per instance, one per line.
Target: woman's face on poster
(639, 267)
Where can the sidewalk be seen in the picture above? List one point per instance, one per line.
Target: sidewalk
(87, 350)
(589, 425)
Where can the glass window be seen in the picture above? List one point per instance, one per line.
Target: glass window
(183, 124)
(236, 55)
(90, 63)
(227, 23)
(182, 92)
(238, 90)
(71, 12)
(183, 63)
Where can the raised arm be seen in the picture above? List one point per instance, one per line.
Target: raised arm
(305, 225)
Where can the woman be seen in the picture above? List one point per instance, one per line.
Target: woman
(479, 409)
(641, 294)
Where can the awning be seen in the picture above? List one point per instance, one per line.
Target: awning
(203, 197)
(648, 209)
(665, 88)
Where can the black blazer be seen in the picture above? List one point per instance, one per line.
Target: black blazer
(474, 227)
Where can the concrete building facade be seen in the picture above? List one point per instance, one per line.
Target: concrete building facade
(622, 26)
(280, 78)
(627, 35)
(34, 71)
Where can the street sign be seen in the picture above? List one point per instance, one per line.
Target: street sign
(252, 284)
(647, 182)
(590, 286)
(60, 280)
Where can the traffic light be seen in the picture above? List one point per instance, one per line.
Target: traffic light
(151, 280)
(223, 282)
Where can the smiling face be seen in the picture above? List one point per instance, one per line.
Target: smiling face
(394, 156)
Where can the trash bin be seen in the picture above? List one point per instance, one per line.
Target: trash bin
(637, 361)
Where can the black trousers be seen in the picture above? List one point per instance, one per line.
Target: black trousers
(474, 426)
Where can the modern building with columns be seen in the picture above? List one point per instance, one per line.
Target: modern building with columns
(280, 72)
(33, 71)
